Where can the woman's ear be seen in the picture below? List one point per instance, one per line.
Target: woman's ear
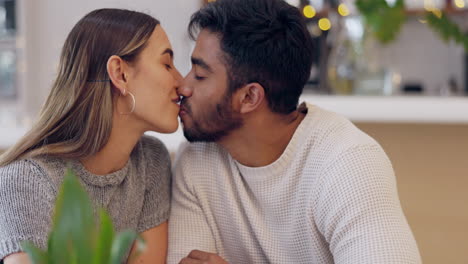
(250, 97)
(116, 72)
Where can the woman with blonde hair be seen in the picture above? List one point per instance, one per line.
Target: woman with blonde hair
(116, 80)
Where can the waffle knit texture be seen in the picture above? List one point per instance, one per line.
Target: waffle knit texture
(331, 197)
(136, 197)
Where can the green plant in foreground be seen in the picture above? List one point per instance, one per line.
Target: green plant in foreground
(76, 238)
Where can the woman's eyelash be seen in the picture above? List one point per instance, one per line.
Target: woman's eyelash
(199, 77)
(168, 66)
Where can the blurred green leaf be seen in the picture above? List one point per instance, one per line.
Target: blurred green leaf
(140, 247)
(384, 21)
(447, 29)
(105, 238)
(73, 224)
(122, 245)
(75, 238)
(35, 254)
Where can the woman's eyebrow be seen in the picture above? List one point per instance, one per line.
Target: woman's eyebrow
(168, 51)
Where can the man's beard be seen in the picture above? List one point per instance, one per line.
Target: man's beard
(218, 123)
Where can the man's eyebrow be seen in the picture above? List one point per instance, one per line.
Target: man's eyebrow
(201, 63)
(168, 51)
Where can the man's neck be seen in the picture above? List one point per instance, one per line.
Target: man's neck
(262, 139)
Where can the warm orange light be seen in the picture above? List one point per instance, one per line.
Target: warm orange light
(309, 11)
(437, 12)
(324, 24)
(343, 10)
(460, 3)
(428, 5)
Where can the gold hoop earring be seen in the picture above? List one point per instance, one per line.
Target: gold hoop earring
(133, 103)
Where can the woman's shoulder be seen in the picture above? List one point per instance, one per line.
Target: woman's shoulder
(41, 169)
(153, 149)
(20, 168)
(25, 175)
(151, 156)
(26, 204)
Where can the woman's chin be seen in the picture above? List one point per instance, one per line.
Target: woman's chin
(167, 128)
(173, 128)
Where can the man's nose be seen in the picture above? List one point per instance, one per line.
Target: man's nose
(185, 89)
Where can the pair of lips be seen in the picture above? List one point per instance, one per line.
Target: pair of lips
(177, 100)
(184, 110)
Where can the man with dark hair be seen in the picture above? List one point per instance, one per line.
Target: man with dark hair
(265, 180)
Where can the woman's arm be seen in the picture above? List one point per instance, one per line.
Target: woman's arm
(156, 246)
(17, 258)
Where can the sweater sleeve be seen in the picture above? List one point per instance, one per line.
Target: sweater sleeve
(359, 212)
(26, 206)
(188, 228)
(156, 204)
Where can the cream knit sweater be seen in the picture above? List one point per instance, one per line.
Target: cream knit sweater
(330, 198)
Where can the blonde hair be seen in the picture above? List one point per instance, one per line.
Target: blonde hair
(76, 120)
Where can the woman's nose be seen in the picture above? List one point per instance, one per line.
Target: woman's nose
(178, 79)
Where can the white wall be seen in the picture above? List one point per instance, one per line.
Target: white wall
(44, 25)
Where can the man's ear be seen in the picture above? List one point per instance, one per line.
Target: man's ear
(250, 97)
(116, 70)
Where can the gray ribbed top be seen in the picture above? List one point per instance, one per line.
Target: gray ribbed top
(136, 197)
